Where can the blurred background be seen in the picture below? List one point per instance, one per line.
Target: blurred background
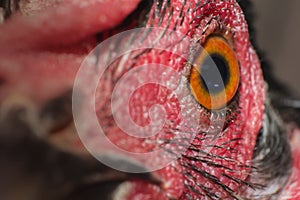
(278, 32)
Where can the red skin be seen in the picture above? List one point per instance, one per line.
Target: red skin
(249, 120)
(46, 51)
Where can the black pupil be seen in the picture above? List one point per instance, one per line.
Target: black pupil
(214, 73)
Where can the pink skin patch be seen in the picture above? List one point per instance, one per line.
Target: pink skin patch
(44, 31)
(42, 60)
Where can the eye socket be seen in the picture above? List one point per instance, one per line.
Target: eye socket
(214, 79)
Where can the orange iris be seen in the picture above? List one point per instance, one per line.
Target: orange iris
(214, 79)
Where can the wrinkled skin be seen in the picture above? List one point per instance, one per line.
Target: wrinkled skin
(38, 65)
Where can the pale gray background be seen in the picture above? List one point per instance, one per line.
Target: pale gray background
(278, 31)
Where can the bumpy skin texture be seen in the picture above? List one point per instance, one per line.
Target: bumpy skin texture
(40, 63)
(196, 17)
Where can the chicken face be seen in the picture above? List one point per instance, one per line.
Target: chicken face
(192, 58)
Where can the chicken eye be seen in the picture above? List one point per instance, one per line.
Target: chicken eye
(214, 78)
